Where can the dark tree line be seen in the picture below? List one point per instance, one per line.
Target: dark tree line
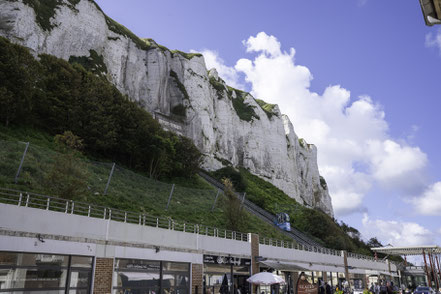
(56, 96)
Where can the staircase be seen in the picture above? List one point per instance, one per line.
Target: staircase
(264, 215)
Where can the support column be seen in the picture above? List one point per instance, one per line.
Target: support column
(439, 272)
(325, 277)
(345, 260)
(427, 270)
(435, 276)
(196, 278)
(254, 239)
(103, 276)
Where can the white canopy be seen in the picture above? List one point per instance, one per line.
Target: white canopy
(265, 278)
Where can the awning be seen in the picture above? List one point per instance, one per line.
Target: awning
(300, 266)
(412, 250)
(282, 266)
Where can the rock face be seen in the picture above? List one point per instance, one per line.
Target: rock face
(227, 125)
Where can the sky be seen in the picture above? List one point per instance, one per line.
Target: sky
(360, 79)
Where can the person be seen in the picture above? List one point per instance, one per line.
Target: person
(389, 288)
(321, 287)
(377, 288)
(372, 289)
(327, 288)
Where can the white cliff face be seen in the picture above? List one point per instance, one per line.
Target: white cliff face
(179, 91)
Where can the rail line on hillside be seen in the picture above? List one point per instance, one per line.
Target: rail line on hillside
(264, 215)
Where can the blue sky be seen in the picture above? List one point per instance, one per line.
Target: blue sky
(379, 51)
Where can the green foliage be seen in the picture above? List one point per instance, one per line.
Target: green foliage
(302, 143)
(218, 86)
(181, 86)
(45, 10)
(244, 111)
(122, 30)
(191, 202)
(56, 96)
(268, 108)
(93, 63)
(187, 55)
(323, 183)
(314, 223)
(19, 81)
(67, 176)
(232, 208)
(233, 175)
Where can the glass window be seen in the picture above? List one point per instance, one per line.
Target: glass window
(137, 264)
(25, 278)
(36, 273)
(80, 279)
(81, 261)
(30, 259)
(175, 267)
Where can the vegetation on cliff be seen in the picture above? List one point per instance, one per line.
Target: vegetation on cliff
(55, 96)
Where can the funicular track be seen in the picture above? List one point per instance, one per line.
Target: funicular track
(264, 215)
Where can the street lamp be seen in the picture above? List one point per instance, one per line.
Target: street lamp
(431, 11)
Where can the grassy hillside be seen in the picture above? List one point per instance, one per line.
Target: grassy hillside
(191, 201)
(313, 222)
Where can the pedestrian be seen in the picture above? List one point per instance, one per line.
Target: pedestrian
(327, 288)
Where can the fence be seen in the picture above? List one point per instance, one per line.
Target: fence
(104, 183)
(142, 199)
(34, 200)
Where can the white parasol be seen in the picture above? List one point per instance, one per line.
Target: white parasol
(265, 278)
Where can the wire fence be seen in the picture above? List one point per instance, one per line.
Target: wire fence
(38, 168)
(30, 166)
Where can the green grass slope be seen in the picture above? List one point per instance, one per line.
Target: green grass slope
(312, 222)
(131, 191)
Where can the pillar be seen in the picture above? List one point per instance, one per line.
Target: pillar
(254, 239)
(345, 261)
(196, 278)
(103, 276)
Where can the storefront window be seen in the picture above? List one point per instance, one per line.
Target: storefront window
(44, 273)
(151, 277)
(217, 276)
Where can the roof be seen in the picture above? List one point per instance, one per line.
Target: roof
(431, 11)
(412, 250)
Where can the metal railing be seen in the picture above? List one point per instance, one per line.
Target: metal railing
(292, 245)
(40, 201)
(34, 200)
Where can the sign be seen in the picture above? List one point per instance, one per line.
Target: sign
(304, 287)
(226, 260)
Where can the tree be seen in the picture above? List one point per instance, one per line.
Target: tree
(234, 214)
(19, 74)
(67, 177)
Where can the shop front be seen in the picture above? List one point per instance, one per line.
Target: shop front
(48, 273)
(226, 274)
(136, 276)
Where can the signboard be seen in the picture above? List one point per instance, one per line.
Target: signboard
(304, 287)
(226, 260)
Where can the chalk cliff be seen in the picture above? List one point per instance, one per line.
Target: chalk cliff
(227, 125)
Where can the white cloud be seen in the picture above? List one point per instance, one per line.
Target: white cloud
(397, 233)
(429, 203)
(434, 40)
(355, 150)
(394, 164)
(229, 74)
(349, 133)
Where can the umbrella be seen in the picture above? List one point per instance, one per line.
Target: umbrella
(265, 278)
(224, 287)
